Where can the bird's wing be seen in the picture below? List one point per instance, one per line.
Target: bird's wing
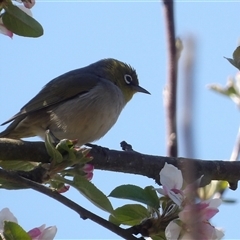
(59, 89)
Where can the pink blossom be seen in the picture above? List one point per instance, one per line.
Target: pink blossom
(188, 226)
(203, 210)
(183, 232)
(42, 233)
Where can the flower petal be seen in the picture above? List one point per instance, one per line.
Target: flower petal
(172, 231)
(6, 215)
(48, 233)
(219, 234)
(171, 177)
(5, 31)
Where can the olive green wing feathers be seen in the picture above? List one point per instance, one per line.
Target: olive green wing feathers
(59, 89)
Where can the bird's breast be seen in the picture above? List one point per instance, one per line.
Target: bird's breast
(89, 116)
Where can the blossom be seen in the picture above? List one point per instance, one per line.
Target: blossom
(42, 233)
(172, 230)
(190, 219)
(172, 180)
(205, 210)
(206, 231)
(188, 226)
(6, 215)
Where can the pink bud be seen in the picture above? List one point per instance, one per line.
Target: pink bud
(35, 232)
(42, 233)
(64, 189)
(4, 30)
(89, 176)
(29, 3)
(88, 168)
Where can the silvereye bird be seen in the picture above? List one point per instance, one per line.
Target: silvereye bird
(81, 104)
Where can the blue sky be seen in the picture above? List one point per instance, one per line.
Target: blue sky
(78, 33)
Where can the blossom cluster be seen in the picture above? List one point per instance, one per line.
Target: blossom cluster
(38, 233)
(192, 221)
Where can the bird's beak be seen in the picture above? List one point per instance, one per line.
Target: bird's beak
(137, 88)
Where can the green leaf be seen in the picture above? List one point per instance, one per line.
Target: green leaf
(20, 23)
(66, 145)
(12, 231)
(130, 214)
(52, 151)
(92, 193)
(232, 62)
(236, 58)
(236, 54)
(147, 196)
(231, 90)
(18, 165)
(56, 184)
(152, 197)
(113, 220)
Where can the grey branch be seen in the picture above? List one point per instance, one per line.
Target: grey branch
(129, 162)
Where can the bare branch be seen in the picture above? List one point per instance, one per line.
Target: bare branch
(170, 93)
(236, 148)
(83, 213)
(188, 97)
(131, 162)
(11, 149)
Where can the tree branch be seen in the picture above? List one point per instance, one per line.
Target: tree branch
(236, 148)
(129, 162)
(170, 93)
(188, 97)
(84, 213)
(11, 149)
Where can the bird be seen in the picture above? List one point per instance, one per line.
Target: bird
(81, 104)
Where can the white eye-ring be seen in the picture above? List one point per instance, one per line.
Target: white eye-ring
(128, 78)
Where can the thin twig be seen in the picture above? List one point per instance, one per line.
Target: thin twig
(188, 97)
(170, 93)
(84, 213)
(236, 148)
(187, 127)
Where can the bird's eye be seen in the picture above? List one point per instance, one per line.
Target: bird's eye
(128, 78)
